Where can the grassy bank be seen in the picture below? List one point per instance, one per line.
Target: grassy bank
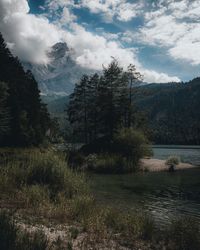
(41, 193)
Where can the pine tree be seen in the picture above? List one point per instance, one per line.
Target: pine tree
(78, 108)
(99, 106)
(27, 113)
(134, 78)
(4, 111)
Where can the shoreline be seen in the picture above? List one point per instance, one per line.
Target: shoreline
(156, 165)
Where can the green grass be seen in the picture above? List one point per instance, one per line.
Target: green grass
(38, 184)
(110, 164)
(40, 179)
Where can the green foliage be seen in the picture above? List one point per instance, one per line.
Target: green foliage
(172, 160)
(40, 177)
(81, 207)
(107, 163)
(172, 110)
(4, 111)
(121, 155)
(100, 105)
(28, 117)
(132, 144)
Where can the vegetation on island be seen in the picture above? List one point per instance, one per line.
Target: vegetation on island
(103, 116)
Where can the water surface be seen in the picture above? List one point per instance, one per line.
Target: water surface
(164, 195)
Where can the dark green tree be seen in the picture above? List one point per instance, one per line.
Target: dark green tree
(4, 110)
(134, 78)
(78, 109)
(100, 105)
(29, 118)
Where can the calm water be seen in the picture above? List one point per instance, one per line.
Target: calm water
(164, 195)
(189, 154)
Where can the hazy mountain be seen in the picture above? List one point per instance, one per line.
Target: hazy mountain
(60, 75)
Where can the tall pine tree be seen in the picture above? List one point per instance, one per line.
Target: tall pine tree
(29, 117)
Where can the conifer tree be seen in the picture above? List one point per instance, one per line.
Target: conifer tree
(100, 105)
(29, 118)
(4, 111)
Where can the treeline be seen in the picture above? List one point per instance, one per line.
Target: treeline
(102, 104)
(173, 111)
(24, 119)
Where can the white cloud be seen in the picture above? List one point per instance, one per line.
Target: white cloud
(122, 10)
(67, 17)
(152, 76)
(28, 35)
(175, 25)
(92, 51)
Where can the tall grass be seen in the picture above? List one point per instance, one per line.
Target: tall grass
(110, 164)
(42, 184)
(40, 178)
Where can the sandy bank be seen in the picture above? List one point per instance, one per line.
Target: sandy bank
(154, 165)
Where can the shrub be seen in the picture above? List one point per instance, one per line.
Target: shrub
(172, 160)
(75, 159)
(41, 176)
(107, 163)
(132, 144)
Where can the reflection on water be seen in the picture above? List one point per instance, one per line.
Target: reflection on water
(165, 195)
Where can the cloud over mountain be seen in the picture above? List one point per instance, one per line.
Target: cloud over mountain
(31, 35)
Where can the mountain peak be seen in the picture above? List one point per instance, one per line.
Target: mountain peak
(58, 50)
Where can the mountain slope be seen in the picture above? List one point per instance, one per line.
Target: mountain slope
(61, 74)
(173, 111)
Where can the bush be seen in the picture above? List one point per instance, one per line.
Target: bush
(132, 144)
(105, 163)
(75, 159)
(172, 160)
(38, 177)
(109, 164)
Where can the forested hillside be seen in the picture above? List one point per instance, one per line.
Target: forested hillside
(173, 111)
(24, 119)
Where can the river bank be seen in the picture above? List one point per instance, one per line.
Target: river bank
(157, 165)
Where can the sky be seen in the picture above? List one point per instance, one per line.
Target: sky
(160, 37)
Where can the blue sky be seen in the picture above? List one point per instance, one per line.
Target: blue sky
(162, 38)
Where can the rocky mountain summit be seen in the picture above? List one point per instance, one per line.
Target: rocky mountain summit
(60, 74)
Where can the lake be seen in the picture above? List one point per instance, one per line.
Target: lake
(164, 195)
